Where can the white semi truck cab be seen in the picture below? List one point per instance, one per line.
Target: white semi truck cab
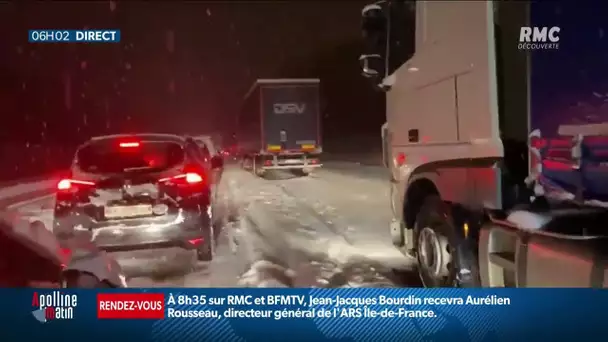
(497, 140)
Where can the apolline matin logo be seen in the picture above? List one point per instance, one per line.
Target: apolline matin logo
(53, 306)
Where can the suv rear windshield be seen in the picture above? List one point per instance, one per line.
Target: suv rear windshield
(114, 157)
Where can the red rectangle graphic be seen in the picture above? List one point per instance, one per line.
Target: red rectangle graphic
(130, 306)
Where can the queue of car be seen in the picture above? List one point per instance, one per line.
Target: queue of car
(122, 194)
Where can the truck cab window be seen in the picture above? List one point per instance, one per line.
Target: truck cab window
(402, 33)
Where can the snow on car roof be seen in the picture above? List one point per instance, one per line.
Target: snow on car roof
(142, 136)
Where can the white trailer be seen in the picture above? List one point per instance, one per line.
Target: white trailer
(491, 185)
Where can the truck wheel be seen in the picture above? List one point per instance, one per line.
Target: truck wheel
(246, 163)
(444, 257)
(257, 170)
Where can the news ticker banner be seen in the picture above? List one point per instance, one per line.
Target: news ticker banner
(73, 36)
(358, 314)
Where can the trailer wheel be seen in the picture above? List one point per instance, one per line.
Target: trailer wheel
(260, 172)
(247, 163)
(255, 169)
(445, 258)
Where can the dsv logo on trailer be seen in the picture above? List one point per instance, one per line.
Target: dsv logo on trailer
(289, 108)
(538, 38)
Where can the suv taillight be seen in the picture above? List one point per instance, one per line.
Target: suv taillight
(130, 144)
(67, 184)
(193, 178)
(188, 177)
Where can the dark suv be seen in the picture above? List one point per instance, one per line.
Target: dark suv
(138, 192)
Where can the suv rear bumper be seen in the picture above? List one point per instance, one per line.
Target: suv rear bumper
(189, 240)
(290, 167)
(289, 162)
(185, 230)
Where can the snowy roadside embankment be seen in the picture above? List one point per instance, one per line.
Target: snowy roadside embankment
(15, 192)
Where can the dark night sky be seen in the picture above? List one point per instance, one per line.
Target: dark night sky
(578, 93)
(144, 84)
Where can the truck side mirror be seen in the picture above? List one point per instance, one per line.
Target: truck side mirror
(389, 37)
(374, 24)
(366, 61)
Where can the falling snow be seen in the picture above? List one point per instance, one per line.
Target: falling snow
(170, 41)
(63, 94)
(171, 86)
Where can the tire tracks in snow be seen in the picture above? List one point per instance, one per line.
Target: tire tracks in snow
(310, 246)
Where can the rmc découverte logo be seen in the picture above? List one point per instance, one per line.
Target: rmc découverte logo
(538, 38)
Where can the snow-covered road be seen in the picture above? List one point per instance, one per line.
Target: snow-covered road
(325, 230)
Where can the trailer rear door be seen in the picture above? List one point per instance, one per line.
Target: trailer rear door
(290, 117)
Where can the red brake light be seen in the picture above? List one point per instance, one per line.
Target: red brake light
(268, 163)
(195, 242)
(189, 177)
(400, 159)
(192, 178)
(66, 184)
(66, 254)
(129, 144)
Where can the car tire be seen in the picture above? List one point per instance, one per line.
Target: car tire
(206, 250)
(83, 280)
(445, 258)
(63, 230)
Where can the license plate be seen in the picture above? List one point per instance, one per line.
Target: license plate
(292, 161)
(128, 211)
